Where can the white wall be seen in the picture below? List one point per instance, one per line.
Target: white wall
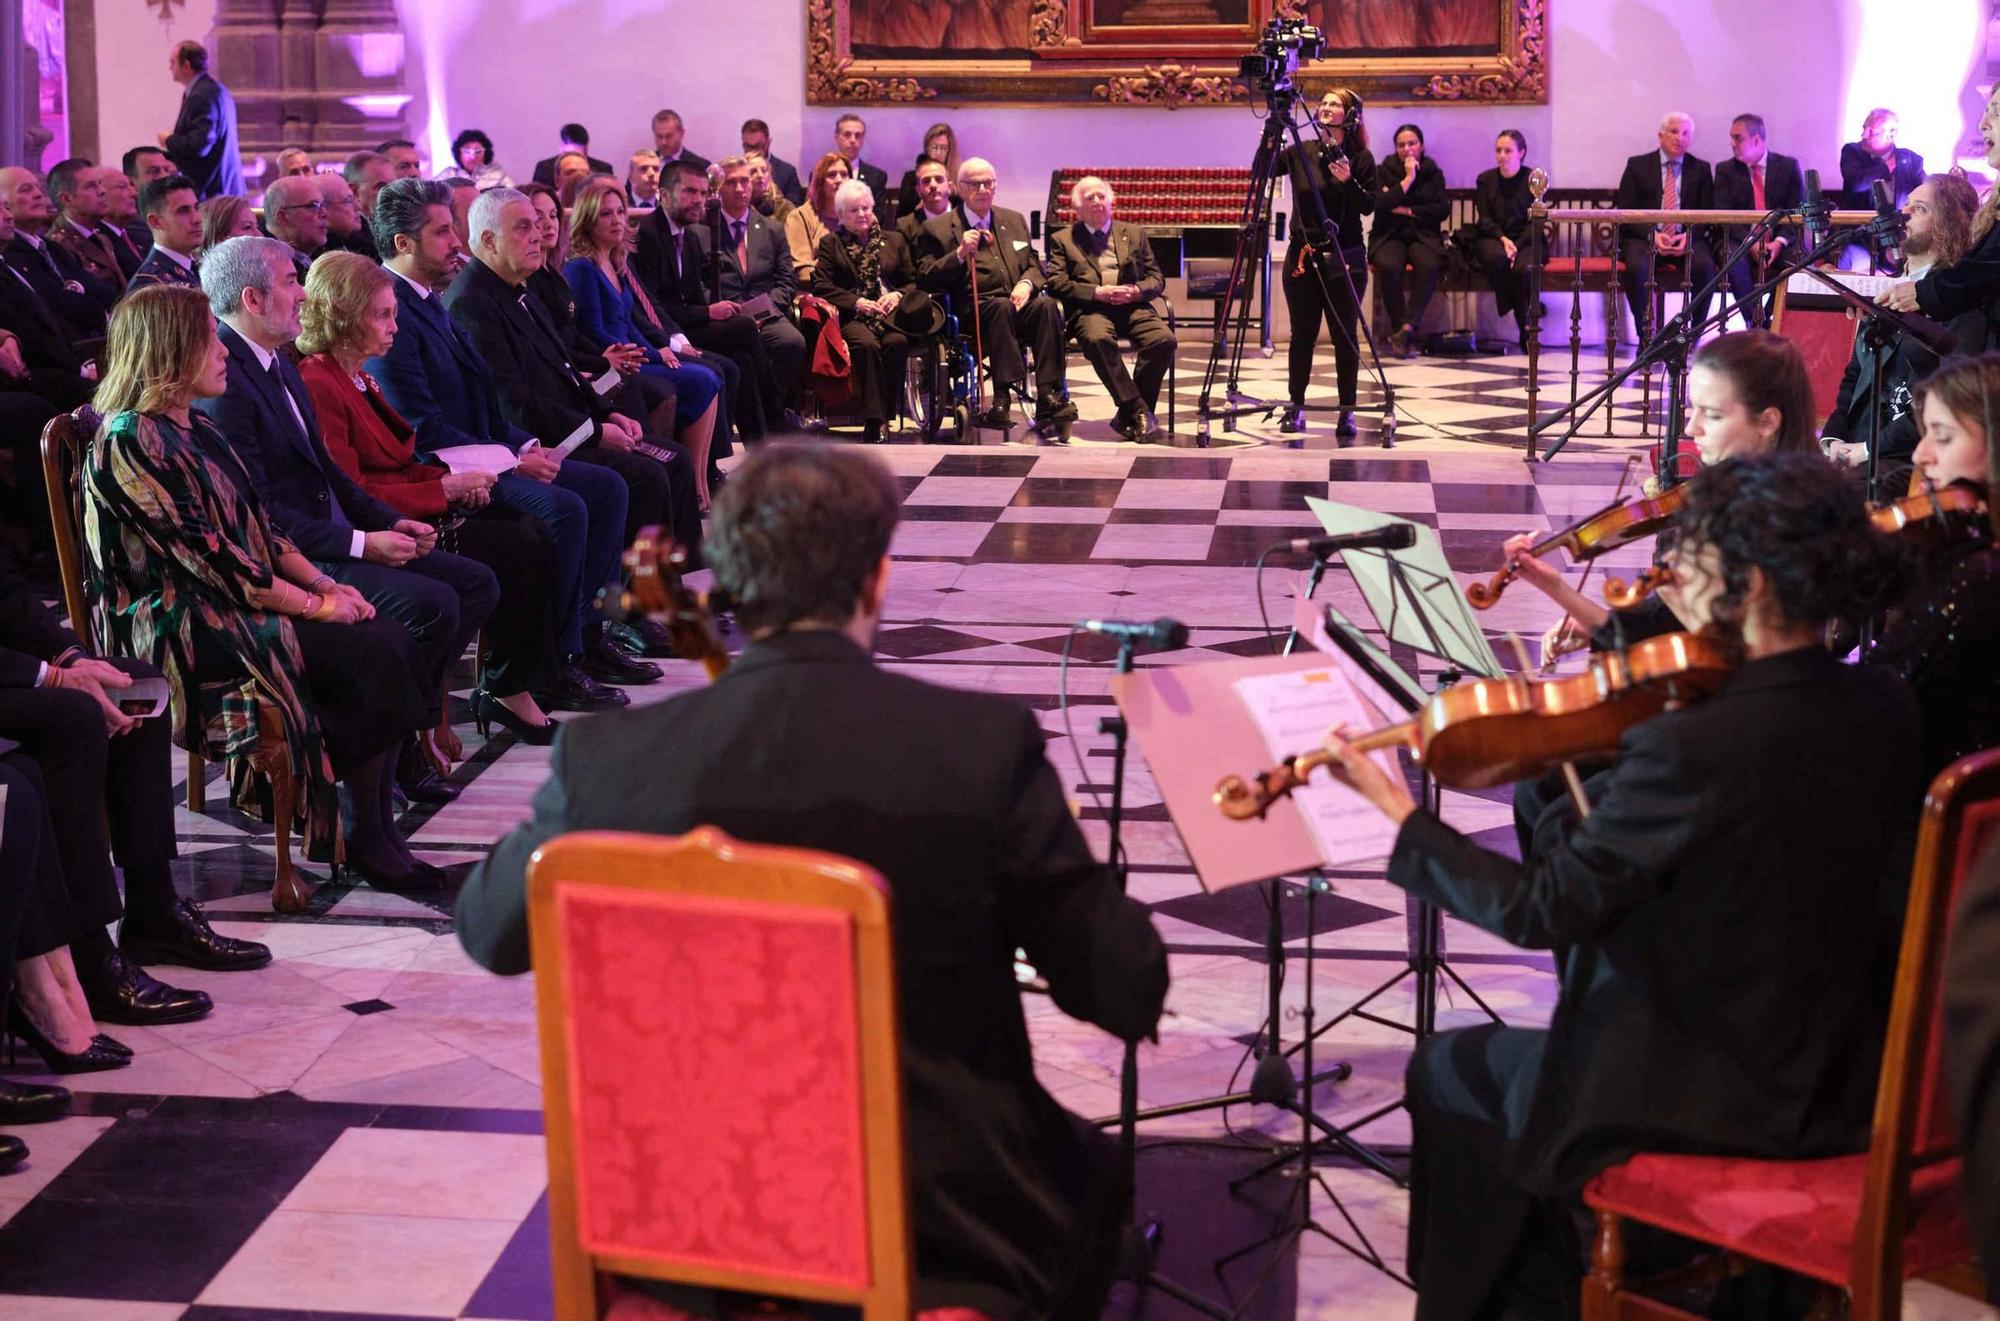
(517, 68)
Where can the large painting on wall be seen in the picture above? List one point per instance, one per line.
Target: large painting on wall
(1165, 52)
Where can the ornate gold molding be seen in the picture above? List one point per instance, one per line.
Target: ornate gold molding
(827, 76)
(1288, 9)
(1523, 76)
(1048, 24)
(1169, 85)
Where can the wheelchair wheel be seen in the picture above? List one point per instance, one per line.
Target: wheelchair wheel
(923, 394)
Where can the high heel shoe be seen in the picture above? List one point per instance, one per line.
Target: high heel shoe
(113, 1045)
(488, 710)
(92, 1059)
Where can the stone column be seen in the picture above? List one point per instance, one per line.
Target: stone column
(358, 59)
(244, 56)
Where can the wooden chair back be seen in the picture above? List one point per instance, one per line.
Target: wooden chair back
(63, 440)
(1913, 1128)
(721, 1070)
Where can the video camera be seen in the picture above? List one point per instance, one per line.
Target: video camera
(1286, 44)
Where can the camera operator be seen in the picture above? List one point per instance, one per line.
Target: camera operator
(1341, 171)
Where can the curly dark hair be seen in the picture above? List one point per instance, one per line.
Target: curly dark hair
(470, 135)
(1805, 523)
(797, 533)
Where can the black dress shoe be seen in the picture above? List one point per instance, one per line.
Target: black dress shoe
(997, 416)
(1149, 430)
(27, 1103)
(648, 637)
(1345, 428)
(393, 882)
(185, 937)
(1294, 419)
(120, 991)
(12, 1151)
(607, 665)
(421, 784)
(577, 691)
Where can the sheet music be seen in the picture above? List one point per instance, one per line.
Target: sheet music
(1868, 286)
(1294, 711)
(496, 459)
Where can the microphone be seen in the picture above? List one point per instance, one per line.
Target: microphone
(1162, 634)
(1390, 536)
(1814, 212)
(1889, 224)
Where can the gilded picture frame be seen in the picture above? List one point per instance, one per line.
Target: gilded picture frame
(1169, 53)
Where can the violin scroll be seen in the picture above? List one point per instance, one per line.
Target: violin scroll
(1621, 595)
(1482, 596)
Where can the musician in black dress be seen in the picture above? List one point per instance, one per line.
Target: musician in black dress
(1726, 827)
(1500, 199)
(1410, 211)
(1326, 274)
(1971, 284)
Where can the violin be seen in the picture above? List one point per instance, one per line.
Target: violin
(1913, 510)
(1487, 732)
(1617, 524)
(1621, 595)
(654, 590)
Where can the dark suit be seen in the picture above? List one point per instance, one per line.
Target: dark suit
(84, 779)
(1641, 188)
(1859, 168)
(1784, 186)
(159, 268)
(874, 176)
(541, 392)
(1415, 240)
(878, 348)
(1002, 262)
(766, 268)
(92, 252)
(80, 302)
(1721, 955)
(441, 385)
(1972, 1054)
(698, 161)
(1077, 269)
(203, 143)
(1970, 284)
(545, 168)
(1501, 206)
(805, 742)
(441, 599)
(785, 178)
(1906, 363)
(55, 368)
(670, 268)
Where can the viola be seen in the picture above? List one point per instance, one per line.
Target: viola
(1913, 510)
(654, 590)
(1617, 524)
(1621, 595)
(1486, 732)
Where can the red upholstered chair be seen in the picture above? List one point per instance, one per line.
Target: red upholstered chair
(721, 1072)
(1859, 1224)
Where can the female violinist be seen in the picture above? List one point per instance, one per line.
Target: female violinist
(1748, 393)
(1944, 638)
(1708, 912)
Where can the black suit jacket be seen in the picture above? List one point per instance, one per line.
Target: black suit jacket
(545, 168)
(1427, 199)
(289, 468)
(1723, 964)
(1859, 169)
(1640, 190)
(770, 260)
(30, 633)
(1074, 275)
(1784, 186)
(785, 178)
(805, 742)
(203, 144)
(875, 177)
(540, 389)
(1970, 284)
(45, 341)
(438, 381)
(1002, 263)
(671, 270)
(158, 268)
(51, 271)
(1908, 362)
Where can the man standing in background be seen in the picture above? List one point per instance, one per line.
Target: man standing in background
(203, 143)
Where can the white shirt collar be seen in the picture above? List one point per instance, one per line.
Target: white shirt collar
(181, 260)
(1671, 162)
(34, 240)
(422, 292)
(264, 356)
(743, 219)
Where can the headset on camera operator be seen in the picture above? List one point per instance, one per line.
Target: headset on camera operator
(1340, 169)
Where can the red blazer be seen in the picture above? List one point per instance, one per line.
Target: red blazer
(371, 441)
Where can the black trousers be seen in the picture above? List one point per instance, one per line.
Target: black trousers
(1481, 1247)
(876, 370)
(1742, 279)
(99, 796)
(755, 400)
(785, 346)
(1695, 268)
(660, 493)
(1097, 332)
(1003, 331)
(1308, 305)
(31, 888)
(1405, 303)
(22, 417)
(442, 599)
(520, 549)
(1509, 278)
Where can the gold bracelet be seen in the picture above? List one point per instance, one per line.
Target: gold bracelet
(311, 606)
(325, 608)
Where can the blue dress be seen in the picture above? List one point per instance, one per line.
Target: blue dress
(604, 315)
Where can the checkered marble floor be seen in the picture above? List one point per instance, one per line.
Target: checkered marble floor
(355, 1131)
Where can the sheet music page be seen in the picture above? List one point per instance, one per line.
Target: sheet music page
(496, 459)
(1294, 711)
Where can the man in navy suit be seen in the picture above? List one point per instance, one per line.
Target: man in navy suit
(268, 416)
(849, 131)
(1755, 178)
(441, 385)
(203, 143)
(784, 174)
(173, 217)
(1671, 178)
(745, 257)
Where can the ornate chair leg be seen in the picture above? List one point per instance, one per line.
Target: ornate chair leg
(289, 892)
(1606, 1280)
(197, 795)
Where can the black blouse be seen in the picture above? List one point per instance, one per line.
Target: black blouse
(1502, 204)
(1429, 206)
(1345, 203)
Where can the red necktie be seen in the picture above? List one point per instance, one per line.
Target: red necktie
(1757, 186)
(1670, 194)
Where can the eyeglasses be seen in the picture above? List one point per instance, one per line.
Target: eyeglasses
(980, 185)
(317, 208)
